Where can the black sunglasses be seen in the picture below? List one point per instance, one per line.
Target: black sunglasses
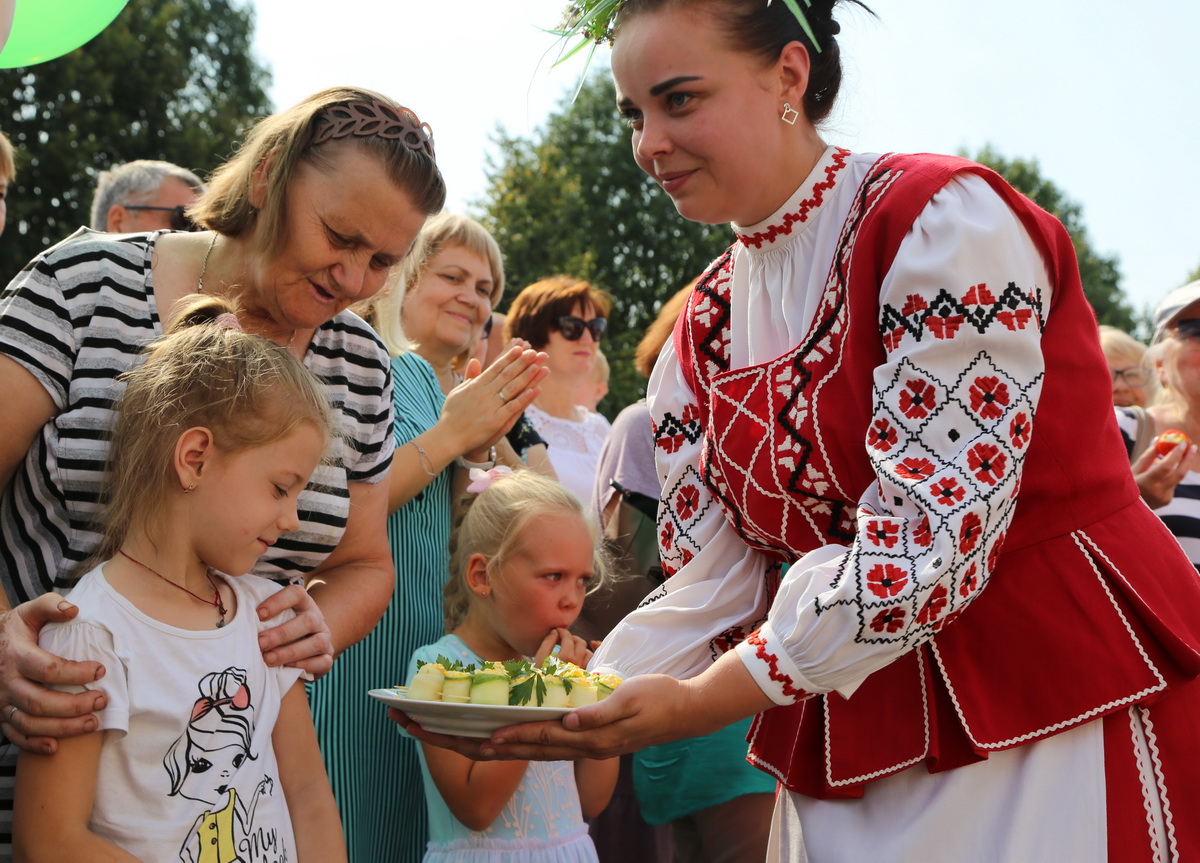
(179, 217)
(1188, 328)
(572, 327)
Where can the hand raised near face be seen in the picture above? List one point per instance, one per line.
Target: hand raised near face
(485, 405)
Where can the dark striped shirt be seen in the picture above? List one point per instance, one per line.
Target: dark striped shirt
(76, 318)
(1182, 514)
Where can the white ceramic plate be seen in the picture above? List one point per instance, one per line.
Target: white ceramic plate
(463, 720)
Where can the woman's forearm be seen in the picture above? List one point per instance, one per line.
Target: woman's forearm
(353, 597)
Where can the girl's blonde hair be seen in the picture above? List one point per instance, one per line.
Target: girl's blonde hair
(443, 231)
(493, 523)
(280, 143)
(246, 390)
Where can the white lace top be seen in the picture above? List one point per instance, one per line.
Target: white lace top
(573, 446)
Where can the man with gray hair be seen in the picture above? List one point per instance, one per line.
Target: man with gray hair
(146, 195)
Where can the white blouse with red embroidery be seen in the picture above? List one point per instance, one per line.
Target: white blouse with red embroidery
(823, 631)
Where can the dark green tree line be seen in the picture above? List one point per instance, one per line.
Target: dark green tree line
(168, 79)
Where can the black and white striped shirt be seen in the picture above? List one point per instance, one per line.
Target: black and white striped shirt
(76, 318)
(1182, 514)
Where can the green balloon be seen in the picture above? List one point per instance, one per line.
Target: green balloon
(45, 29)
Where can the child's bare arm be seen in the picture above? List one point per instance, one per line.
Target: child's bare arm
(596, 781)
(53, 805)
(475, 791)
(315, 820)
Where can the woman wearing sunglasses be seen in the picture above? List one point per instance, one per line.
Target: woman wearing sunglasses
(1170, 479)
(564, 317)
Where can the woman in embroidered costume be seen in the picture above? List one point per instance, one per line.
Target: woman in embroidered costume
(983, 648)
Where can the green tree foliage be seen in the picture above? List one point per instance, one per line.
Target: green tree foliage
(168, 79)
(571, 200)
(1100, 275)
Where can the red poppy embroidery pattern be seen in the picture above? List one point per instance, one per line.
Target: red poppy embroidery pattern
(994, 551)
(934, 605)
(687, 501)
(969, 581)
(1018, 430)
(884, 533)
(889, 620)
(917, 399)
(882, 435)
(989, 397)
(916, 468)
(987, 461)
(969, 532)
(947, 491)
(886, 580)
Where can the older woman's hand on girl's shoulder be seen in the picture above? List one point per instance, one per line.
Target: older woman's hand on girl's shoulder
(1157, 477)
(304, 641)
(32, 715)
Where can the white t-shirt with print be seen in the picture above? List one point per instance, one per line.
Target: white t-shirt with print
(187, 769)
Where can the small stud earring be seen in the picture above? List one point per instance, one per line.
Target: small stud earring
(191, 487)
(790, 114)
(483, 593)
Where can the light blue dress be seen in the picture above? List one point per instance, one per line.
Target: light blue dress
(542, 823)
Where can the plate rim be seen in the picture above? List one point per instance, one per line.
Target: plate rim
(446, 709)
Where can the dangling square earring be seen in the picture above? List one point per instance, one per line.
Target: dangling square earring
(790, 114)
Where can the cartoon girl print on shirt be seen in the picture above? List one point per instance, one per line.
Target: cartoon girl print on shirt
(203, 765)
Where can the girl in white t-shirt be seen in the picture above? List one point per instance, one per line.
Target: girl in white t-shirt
(217, 433)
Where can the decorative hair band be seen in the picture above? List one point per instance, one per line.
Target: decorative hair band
(594, 19)
(378, 119)
(228, 321)
(481, 480)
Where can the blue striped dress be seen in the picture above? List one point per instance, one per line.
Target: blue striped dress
(373, 768)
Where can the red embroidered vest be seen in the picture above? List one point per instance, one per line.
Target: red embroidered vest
(1090, 604)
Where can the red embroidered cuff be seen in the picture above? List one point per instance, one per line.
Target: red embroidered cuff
(772, 670)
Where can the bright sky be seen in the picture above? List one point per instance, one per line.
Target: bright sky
(1104, 95)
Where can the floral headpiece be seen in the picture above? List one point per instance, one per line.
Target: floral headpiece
(593, 20)
(481, 480)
